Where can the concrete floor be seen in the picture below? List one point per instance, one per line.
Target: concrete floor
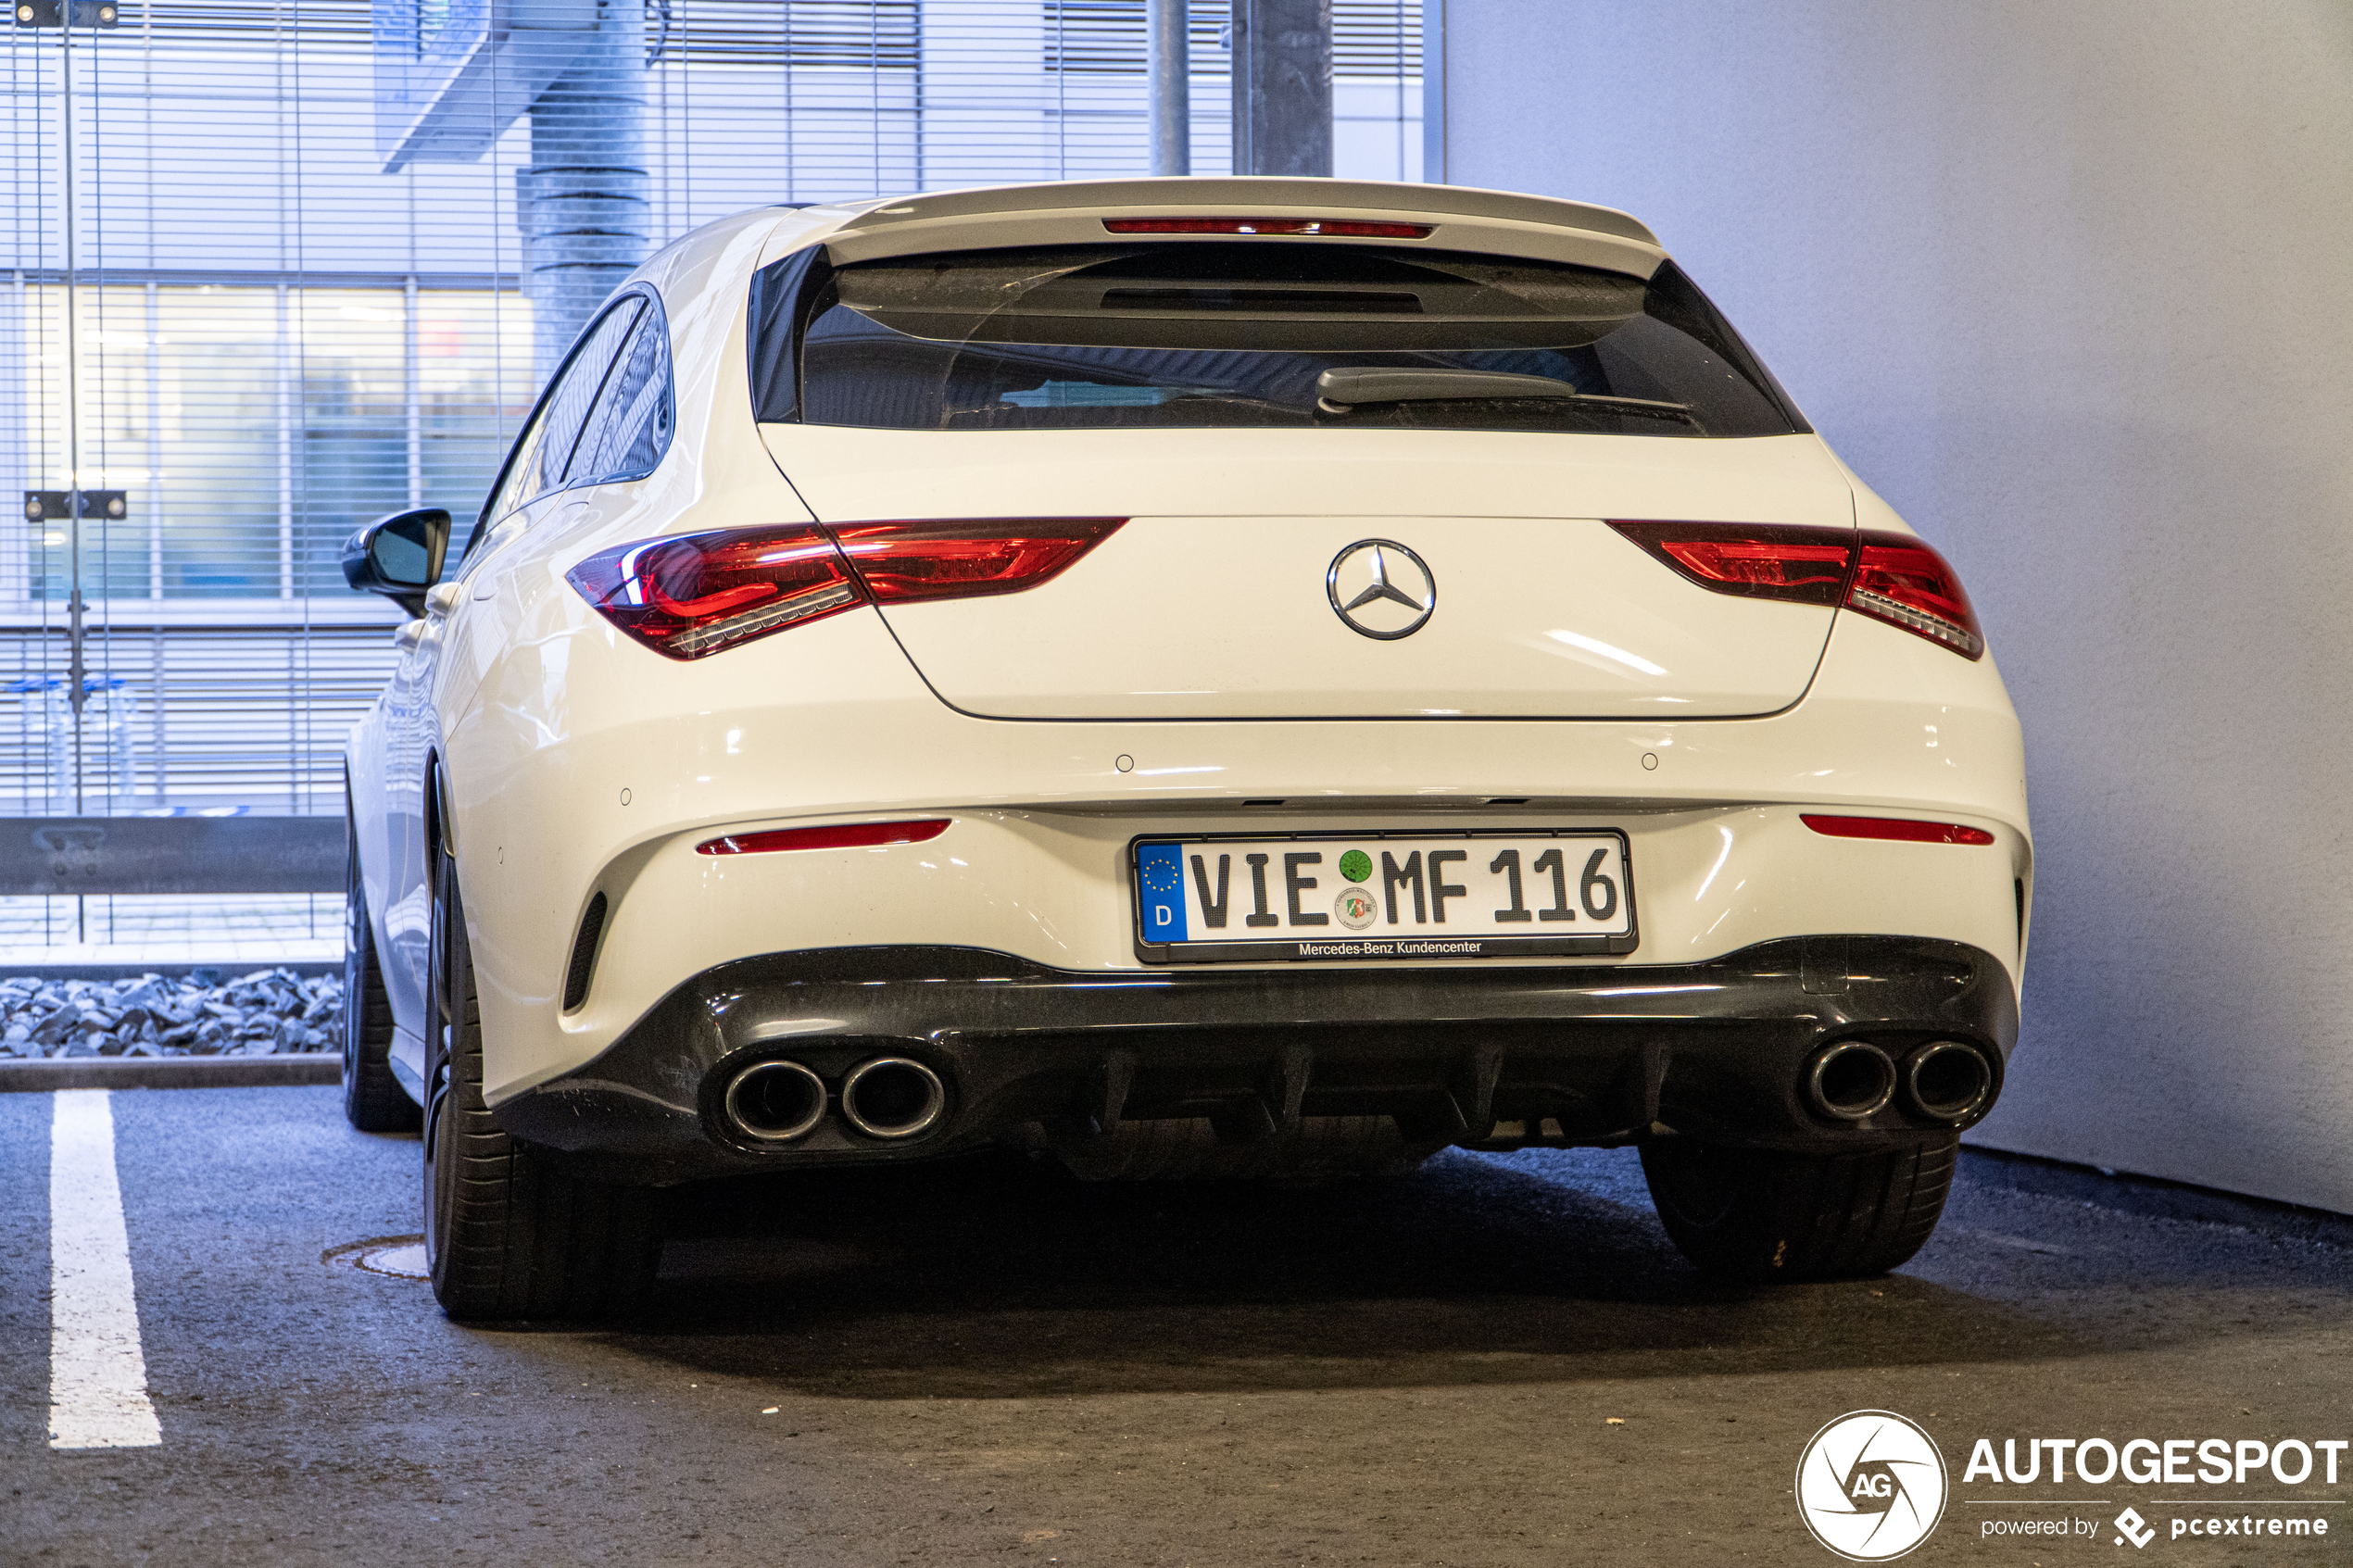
(983, 1364)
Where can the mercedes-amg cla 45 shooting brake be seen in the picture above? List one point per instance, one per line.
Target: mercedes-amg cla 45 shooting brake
(1187, 677)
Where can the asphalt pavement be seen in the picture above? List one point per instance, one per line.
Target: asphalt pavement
(1494, 1361)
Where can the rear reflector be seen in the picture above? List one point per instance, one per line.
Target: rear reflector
(900, 562)
(1900, 829)
(1328, 227)
(854, 835)
(1890, 577)
(695, 594)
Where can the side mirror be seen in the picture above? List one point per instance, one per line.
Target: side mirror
(399, 556)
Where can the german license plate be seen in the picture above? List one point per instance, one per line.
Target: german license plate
(1383, 896)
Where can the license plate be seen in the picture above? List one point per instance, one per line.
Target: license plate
(1383, 896)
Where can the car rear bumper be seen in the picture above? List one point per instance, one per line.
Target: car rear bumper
(1493, 1057)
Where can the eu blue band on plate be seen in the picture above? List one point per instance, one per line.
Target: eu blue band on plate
(1159, 891)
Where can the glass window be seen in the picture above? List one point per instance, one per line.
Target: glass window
(629, 429)
(544, 451)
(251, 429)
(1176, 336)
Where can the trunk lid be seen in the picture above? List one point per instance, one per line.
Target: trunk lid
(1217, 598)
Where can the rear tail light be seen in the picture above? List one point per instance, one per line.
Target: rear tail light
(695, 594)
(1904, 582)
(900, 562)
(1890, 577)
(855, 835)
(1902, 830)
(1335, 228)
(1804, 565)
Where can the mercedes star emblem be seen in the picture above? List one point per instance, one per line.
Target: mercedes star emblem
(1381, 588)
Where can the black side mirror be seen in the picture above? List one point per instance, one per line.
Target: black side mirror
(399, 556)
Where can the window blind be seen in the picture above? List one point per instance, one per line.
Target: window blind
(239, 337)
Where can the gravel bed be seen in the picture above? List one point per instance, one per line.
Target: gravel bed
(268, 1013)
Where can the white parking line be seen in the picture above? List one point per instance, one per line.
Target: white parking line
(97, 1371)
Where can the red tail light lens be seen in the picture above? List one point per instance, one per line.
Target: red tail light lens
(1902, 830)
(900, 562)
(1802, 565)
(1890, 577)
(855, 835)
(1904, 582)
(1337, 228)
(695, 594)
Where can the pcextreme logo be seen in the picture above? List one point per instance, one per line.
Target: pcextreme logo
(1870, 1486)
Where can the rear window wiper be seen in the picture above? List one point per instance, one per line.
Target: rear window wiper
(1338, 391)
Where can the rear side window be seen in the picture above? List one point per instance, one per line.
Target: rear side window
(628, 428)
(1243, 334)
(545, 452)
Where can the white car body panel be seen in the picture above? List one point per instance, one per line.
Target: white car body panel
(1156, 623)
(701, 750)
(1207, 614)
(577, 760)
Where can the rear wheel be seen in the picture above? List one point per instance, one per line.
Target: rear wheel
(509, 1232)
(1756, 1214)
(372, 1098)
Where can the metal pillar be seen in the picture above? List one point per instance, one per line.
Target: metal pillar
(1434, 92)
(583, 204)
(1168, 62)
(76, 606)
(1283, 87)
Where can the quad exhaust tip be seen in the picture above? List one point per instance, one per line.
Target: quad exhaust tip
(1946, 1081)
(1852, 1080)
(775, 1101)
(893, 1097)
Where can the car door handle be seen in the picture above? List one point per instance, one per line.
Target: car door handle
(441, 598)
(405, 638)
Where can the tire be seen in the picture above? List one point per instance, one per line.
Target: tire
(509, 1232)
(1756, 1215)
(373, 1100)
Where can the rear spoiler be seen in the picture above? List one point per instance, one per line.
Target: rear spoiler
(1075, 212)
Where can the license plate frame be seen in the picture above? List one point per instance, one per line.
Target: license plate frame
(1424, 945)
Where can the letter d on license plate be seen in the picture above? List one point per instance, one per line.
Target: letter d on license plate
(1380, 896)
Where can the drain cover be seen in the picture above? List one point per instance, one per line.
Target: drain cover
(397, 1257)
(403, 1260)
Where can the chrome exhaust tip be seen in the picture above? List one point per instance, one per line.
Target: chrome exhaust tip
(775, 1101)
(1946, 1081)
(893, 1097)
(1850, 1081)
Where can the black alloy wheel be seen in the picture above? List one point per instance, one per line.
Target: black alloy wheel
(509, 1232)
(373, 1100)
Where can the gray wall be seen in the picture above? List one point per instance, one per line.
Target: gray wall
(2071, 287)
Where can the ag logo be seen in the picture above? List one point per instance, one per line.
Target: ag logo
(1870, 1486)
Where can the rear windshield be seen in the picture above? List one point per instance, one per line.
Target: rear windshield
(1241, 334)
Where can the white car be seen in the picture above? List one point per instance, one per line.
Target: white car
(1197, 676)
